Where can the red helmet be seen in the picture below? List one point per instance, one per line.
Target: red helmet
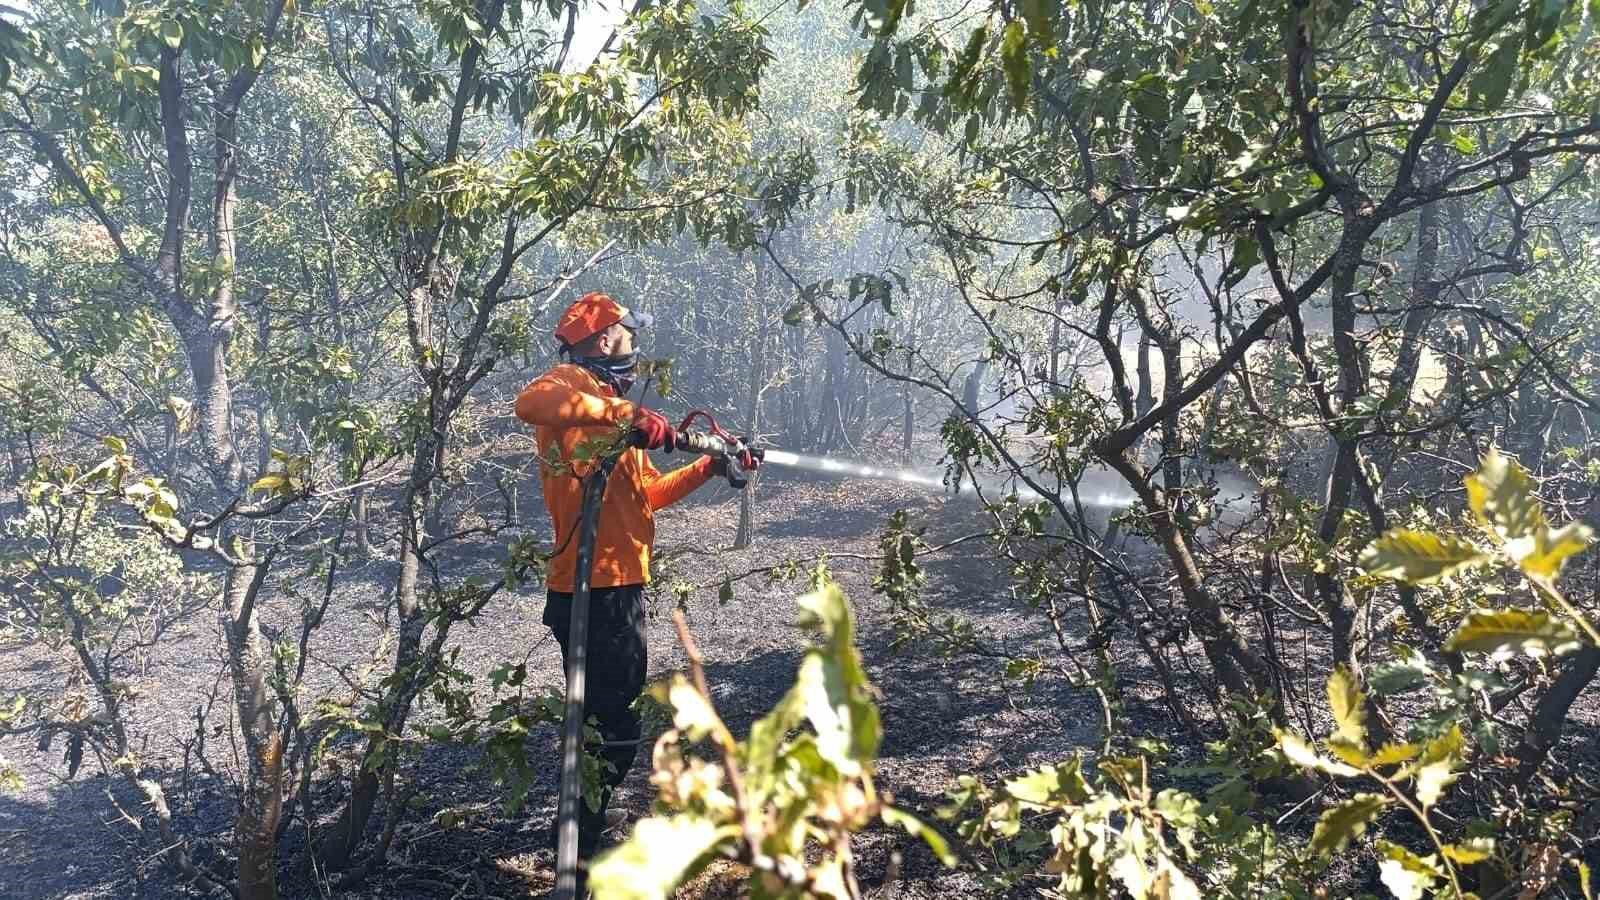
(593, 313)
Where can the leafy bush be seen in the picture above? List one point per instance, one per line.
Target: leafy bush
(1109, 828)
(785, 800)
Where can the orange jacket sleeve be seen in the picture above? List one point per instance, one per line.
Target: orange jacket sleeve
(665, 490)
(554, 401)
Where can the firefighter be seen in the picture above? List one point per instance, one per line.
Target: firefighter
(582, 400)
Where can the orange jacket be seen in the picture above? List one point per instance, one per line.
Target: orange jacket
(568, 406)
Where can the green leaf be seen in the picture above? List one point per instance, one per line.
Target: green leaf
(1506, 631)
(1394, 754)
(1501, 496)
(691, 711)
(1488, 19)
(1014, 58)
(1470, 851)
(1052, 786)
(760, 752)
(1552, 548)
(659, 856)
(1407, 875)
(1301, 754)
(1348, 705)
(11, 780)
(1343, 823)
(827, 611)
(918, 828)
(1352, 753)
(833, 685)
(827, 880)
(1492, 82)
(1168, 883)
(961, 74)
(1246, 256)
(271, 483)
(1433, 779)
(1418, 557)
(1041, 16)
(1397, 678)
(1438, 766)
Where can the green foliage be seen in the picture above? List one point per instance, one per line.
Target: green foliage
(11, 780)
(28, 407)
(1119, 832)
(785, 800)
(1033, 179)
(1501, 497)
(1112, 833)
(1419, 558)
(660, 855)
(1531, 632)
(291, 478)
(899, 578)
(504, 731)
(1344, 822)
(82, 577)
(1430, 769)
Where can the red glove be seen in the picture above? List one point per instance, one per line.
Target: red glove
(749, 461)
(653, 430)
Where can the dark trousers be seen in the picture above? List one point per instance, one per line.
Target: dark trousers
(618, 658)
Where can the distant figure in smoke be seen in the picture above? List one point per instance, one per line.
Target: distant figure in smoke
(578, 401)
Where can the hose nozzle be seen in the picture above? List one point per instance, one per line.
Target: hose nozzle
(737, 456)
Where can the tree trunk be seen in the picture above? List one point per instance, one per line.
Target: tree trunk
(261, 801)
(797, 424)
(1550, 714)
(972, 391)
(1425, 288)
(1240, 670)
(744, 535)
(908, 422)
(1146, 399)
(15, 455)
(206, 334)
(250, 660)
(1345, 465)
(363, 531)
(337, 847)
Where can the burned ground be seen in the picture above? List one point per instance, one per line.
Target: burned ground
(942, 717)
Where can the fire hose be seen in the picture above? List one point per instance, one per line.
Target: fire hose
(739, 459)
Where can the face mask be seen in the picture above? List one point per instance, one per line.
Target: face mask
(616, 371)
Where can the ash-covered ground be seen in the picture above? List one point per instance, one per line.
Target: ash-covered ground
(942, 717)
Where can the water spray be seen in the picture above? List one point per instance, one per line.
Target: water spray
(933, 479)
(739, 459)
